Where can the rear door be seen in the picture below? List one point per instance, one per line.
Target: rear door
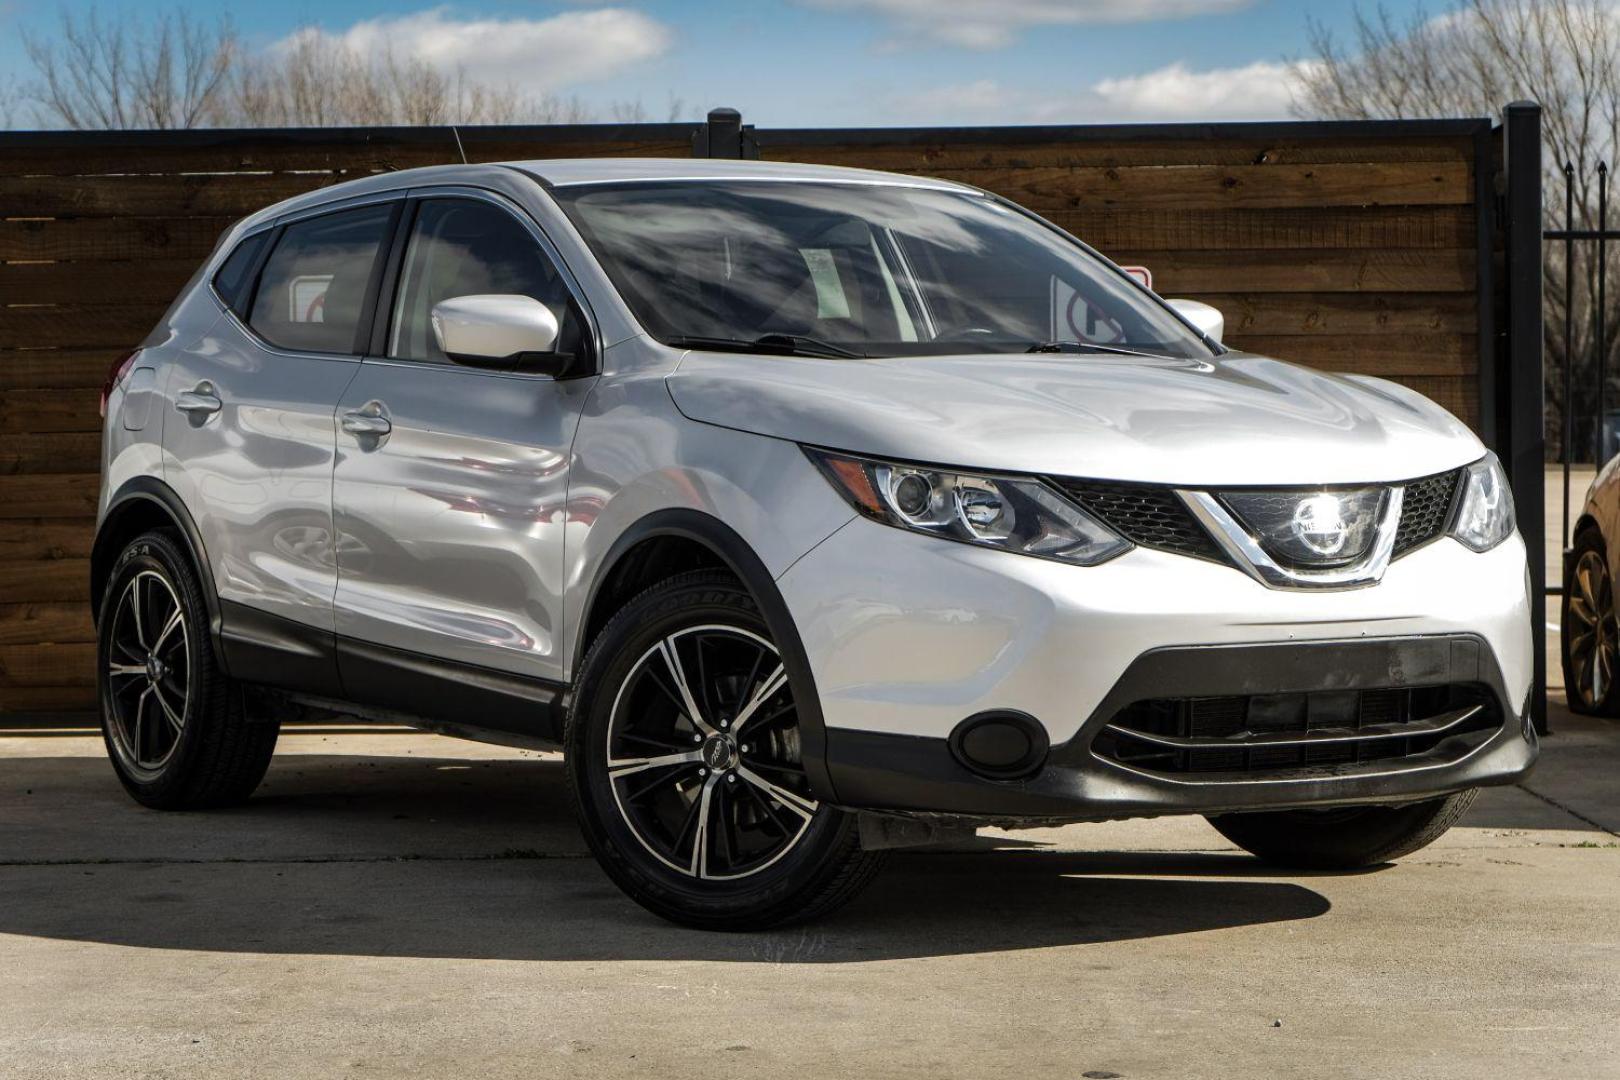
(250, 446)
(451, 481)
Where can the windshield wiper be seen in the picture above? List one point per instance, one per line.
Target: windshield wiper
(1086, 347)
(791, 344)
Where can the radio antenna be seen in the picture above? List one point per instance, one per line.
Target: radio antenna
(459, 148)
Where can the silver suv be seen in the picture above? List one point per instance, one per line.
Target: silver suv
(812, 511)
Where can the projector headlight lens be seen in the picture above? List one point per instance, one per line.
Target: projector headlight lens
(1015, 514)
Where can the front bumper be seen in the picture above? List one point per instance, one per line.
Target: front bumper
(918, 774)
(907, 636)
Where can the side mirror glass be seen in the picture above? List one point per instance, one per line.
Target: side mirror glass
(1209, 321)
(499, 332)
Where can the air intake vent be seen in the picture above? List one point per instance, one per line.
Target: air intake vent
(1145, 514)
(1264, 735)
(1425, 510)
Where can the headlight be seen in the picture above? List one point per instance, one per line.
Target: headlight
(1485, 511)
(1007, 513)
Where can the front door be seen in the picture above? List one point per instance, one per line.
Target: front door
(450, 485)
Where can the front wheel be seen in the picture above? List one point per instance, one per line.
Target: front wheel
(1343, 838)
(686, 765)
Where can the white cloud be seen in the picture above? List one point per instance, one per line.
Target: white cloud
(995, 24)
(1258, 91)
(533, 54)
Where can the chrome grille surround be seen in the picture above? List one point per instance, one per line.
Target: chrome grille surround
(1249, 555)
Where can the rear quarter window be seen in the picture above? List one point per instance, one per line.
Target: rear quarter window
(234, 279)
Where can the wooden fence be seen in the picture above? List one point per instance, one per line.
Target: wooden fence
(1357, 247)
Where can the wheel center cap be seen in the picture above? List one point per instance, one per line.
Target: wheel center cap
(154, 668)
(719, 752)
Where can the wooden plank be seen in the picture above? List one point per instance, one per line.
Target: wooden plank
(53, 580)
(38, 624)
(1213, 187)
(1283, 271)
(111, 238)
(1460, 396)
(305, 151)
(1338, 314)
(33, 539)
(52, 452)
(944, 157)
(1334, 228)
(1387, 356)
(64, 495)
(27, 699)
(154, 281)
(48, 369)
(156, 195)
(64, 664)
(74, 409)
(74, 326)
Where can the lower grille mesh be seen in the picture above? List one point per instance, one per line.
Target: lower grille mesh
(1269, 734)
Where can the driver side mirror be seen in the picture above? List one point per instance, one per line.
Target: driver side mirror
(1207, 320)
(499, 332)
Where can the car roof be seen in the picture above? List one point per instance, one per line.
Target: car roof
(566, 172)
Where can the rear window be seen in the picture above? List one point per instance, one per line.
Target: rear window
(233, 280)
(312, 292)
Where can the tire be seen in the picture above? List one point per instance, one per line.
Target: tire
(1347, 838)
(175, 727)
(729, 836)
(1589, 638)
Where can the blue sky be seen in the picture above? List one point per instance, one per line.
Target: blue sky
(827, 62)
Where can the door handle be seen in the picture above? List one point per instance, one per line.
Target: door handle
(200, 401)
(363, 424)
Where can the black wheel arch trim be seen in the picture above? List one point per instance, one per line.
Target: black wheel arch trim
(732, 550)
(105, 549)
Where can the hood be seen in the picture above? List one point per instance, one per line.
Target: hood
(1241, 419)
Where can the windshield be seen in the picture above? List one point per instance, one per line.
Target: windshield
(859, 269)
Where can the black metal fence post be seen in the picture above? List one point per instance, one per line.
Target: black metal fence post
(1566, 424)
(1520, 437)
(724, 135)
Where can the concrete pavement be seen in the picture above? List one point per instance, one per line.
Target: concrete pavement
(396, 904)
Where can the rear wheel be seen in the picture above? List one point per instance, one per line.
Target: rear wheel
(1591, 642)
(173, 723)
(1343, 838)
(685, 759)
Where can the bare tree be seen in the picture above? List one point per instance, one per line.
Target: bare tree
(124, 73)
(174, 71)
(11, 103)
(1469, 61)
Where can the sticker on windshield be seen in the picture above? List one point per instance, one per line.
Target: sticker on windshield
(831, 303)
(1075, 320)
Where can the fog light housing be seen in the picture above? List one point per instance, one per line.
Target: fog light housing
(1000, 745)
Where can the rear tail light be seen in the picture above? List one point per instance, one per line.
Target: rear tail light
(115, 374)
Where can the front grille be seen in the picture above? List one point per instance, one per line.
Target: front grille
(1425, 510)
(1154, 517)
(1267, 735)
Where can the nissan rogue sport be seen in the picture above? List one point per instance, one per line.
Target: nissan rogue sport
(811, 511)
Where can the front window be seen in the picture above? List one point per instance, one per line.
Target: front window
(867, 269)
